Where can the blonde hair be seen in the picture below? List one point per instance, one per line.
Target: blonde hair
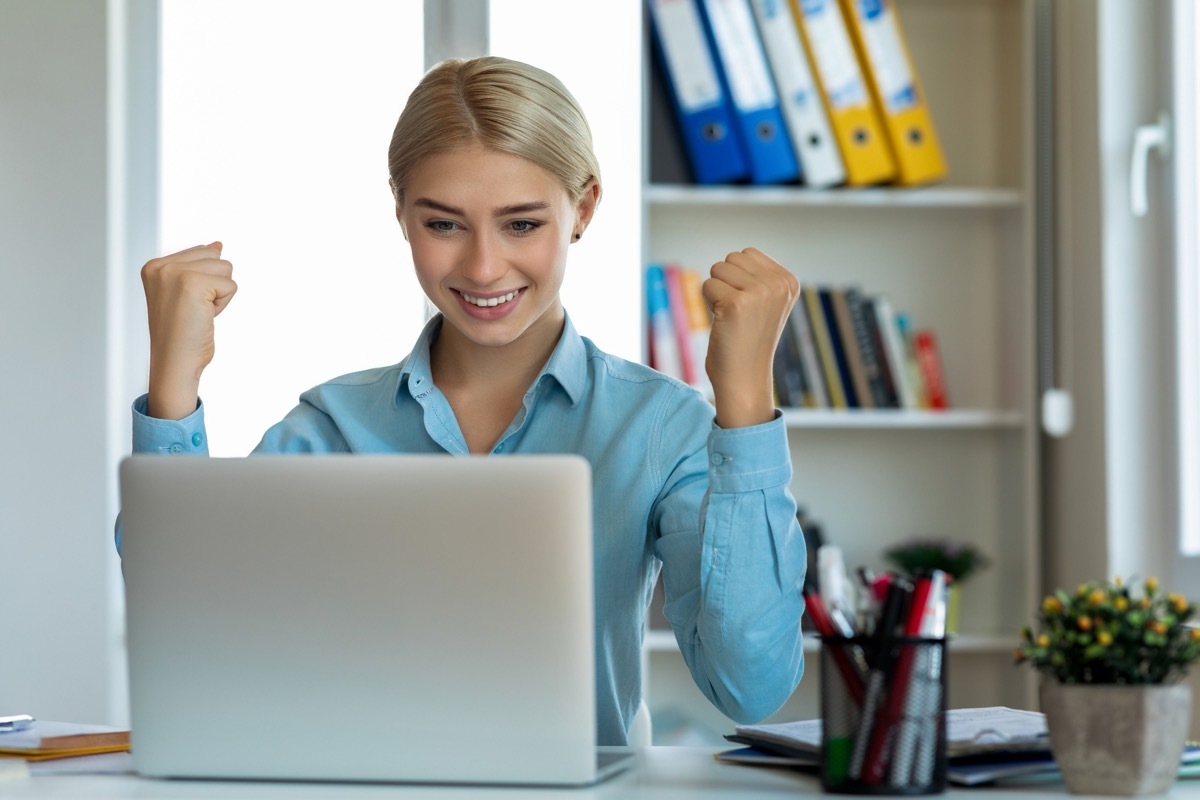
(502, 104)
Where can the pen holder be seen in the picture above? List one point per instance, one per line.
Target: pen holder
(883, 711)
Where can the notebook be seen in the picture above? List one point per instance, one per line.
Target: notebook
(415, 618)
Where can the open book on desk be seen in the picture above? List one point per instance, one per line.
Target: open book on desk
(983, 745)
(969, 731)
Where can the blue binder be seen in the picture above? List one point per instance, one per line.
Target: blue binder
(702, 104)
(734, 38)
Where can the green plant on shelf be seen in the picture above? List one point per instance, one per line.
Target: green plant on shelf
(918, 556)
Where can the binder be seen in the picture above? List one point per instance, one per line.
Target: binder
(701, 105)
(852, 113)
(799, 98)
(743, 65)
(896, 89)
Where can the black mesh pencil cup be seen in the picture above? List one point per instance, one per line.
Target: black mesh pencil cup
(883, 711)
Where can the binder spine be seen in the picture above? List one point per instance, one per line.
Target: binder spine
(702, 109)
(799, 98)
(743, 65)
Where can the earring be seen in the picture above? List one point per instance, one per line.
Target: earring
(578, 236)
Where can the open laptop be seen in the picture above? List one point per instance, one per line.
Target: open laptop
(404, 618)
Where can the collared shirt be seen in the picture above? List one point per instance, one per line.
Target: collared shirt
(711, 507)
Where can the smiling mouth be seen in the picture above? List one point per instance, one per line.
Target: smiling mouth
(489, 302)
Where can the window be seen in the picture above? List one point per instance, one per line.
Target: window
(1187, 284)
(275, 121)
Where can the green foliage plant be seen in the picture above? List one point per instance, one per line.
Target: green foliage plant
(1105, 633)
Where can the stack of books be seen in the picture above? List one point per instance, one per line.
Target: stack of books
(841, 348)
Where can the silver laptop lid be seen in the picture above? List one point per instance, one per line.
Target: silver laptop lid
(393, 618)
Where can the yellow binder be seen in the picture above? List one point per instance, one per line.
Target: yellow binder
(896, 90)
(852, 113)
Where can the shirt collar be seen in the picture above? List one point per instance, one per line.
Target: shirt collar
(567, 364)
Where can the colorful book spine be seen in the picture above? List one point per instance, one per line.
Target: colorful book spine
(664, 346)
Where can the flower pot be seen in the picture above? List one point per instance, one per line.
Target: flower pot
(1115, 739)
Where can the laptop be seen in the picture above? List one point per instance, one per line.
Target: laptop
(402, 618)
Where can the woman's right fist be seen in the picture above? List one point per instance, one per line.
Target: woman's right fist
(185, 291)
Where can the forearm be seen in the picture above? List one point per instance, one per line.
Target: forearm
(734, 581)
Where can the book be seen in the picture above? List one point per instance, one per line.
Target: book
(699, 326)
(810, 361)
(677, 304)
(885, 358)
(868, 353)
(929, 358)
(664, 353)
(838, 346)
(850, 347)
(811, 297)
(46, 740)
(791, 367)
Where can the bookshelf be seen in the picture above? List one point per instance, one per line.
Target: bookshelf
(958, 257)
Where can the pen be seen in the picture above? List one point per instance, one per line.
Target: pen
(881, 673)
(18, 722)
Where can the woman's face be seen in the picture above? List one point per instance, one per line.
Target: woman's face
(489, 233)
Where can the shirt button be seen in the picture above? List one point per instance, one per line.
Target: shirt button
(197, 439)
(176, 448)
(717, 459)
(499, 448)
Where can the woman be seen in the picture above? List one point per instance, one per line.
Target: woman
(494, 178)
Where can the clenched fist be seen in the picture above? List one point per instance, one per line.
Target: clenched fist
(751, 297)
(185, 292)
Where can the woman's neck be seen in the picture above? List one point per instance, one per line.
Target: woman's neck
(456, 361)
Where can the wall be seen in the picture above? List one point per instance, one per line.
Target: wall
(56, 563)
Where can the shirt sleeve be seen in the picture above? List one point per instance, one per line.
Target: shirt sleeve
(734, 562)
(168, 436)
(165, 437)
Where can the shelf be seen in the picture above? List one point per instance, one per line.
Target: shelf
(941, 197)
(660, 641)
(951, 419)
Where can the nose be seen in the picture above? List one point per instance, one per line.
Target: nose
(482, 263)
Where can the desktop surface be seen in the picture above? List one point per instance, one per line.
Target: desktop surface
(661, 773)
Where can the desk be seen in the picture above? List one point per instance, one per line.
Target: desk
(662, 773)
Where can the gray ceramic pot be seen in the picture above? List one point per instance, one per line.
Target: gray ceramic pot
(1117, 740)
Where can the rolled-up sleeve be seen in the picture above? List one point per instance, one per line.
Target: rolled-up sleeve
(733, 571)
(168, 436)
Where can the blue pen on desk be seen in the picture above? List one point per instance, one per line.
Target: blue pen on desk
(17, 722)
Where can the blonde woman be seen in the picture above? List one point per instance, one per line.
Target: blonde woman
(494, 178)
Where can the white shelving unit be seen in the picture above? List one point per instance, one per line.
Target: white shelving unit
(956, 257)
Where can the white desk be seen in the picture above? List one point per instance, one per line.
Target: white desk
(662, 773)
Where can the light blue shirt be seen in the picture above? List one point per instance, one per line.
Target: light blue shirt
(712, 507)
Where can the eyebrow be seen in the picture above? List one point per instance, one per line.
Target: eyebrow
(519, 208)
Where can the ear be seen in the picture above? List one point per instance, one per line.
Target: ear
(586, 208)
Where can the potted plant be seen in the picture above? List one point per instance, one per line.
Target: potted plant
(1111, 661)
(959, 560)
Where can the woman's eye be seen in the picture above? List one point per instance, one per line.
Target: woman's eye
(443, 226)
(524, 226)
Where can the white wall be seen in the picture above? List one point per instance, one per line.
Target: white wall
(56, 562)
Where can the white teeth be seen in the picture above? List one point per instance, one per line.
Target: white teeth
(490, 301)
